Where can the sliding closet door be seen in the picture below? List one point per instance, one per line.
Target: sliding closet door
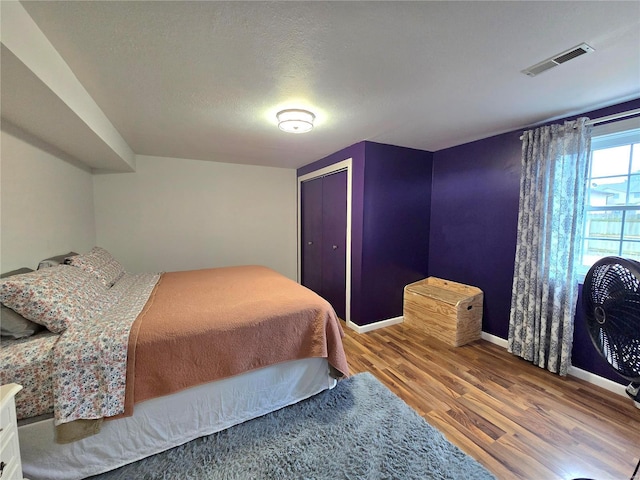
(311, 212)
(334, 240)
(324, 233)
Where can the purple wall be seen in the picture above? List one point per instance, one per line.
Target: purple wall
(474, 218)
(473, 228)
(391, 205)
(397, 206)
(355, 152)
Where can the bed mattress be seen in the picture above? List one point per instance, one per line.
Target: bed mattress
(165, 422)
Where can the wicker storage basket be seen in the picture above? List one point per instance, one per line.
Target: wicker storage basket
(446, 310)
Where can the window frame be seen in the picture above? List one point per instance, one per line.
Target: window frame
(609, 135)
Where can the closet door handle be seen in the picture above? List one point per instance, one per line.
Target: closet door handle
(309, 243)
(335, 247)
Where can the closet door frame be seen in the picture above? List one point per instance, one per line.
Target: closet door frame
(322, 172)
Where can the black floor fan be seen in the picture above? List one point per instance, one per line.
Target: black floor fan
(611, 305)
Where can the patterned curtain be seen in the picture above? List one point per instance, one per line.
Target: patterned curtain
(555, 164)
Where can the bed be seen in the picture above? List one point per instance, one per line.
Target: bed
(133, 364)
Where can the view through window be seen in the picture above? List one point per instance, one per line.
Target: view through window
(612, 216)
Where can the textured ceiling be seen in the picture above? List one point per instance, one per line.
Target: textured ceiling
(203, 80)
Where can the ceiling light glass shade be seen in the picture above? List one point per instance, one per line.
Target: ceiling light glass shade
(295, 121)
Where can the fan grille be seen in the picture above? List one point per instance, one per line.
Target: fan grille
(611, 303)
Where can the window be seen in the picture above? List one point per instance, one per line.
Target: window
(612, 216)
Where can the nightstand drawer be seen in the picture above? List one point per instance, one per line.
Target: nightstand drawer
(10, 463)
(7, 417)
(10, 456)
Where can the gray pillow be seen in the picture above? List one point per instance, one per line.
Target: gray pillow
(12, 324)
(55, 261)
(16, 272)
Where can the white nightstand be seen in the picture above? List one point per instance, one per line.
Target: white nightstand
(9, 444)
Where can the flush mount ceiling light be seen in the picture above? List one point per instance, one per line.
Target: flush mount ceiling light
(295, 121)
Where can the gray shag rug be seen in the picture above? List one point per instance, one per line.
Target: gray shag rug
(358, 430)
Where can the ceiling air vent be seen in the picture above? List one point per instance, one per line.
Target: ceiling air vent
(556, 60)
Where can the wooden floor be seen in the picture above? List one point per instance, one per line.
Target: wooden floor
(518, 420)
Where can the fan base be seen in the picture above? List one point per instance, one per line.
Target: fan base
(633, 390)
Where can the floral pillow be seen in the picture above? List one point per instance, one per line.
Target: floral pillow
(13, 325)
(100, 263)
(55, 297)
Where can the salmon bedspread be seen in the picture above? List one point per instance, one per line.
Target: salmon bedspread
(204, 325)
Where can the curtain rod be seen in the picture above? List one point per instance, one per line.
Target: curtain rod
(616, 116)
(608, 118)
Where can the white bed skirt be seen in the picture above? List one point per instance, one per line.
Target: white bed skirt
(166, 422)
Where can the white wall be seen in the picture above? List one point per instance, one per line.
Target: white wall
(46, 203)
(178, 214)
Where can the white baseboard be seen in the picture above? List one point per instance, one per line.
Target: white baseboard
(598, 380)
(495, 340)
(375, 325)
(573, 371)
